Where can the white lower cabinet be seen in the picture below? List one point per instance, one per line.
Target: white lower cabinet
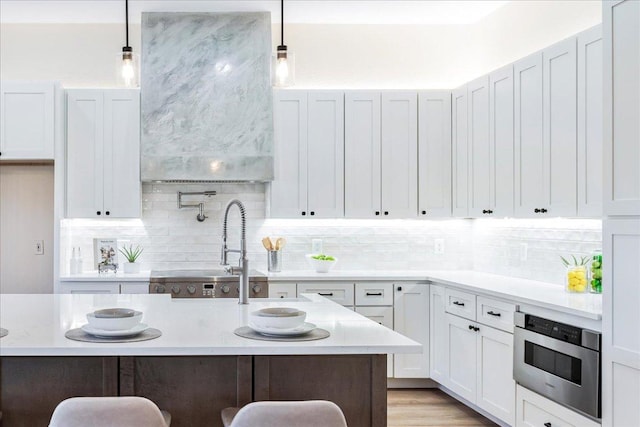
(534, 410)
(282, 290)
(472, 359)
(104, 287)
(339, 292)
(411, 319)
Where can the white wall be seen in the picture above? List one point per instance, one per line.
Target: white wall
(26, 215)
(339, 56)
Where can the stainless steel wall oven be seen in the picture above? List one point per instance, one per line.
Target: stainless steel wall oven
(559, 361)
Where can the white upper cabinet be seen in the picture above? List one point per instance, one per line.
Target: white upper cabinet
(501, 146)
(309, 153)
(459, 150)
(103, 153)
(325, 154)
(560, 132)
(399, 154)
(529, 152)
(622, 107)
(479, 146)
(362, 195)
(590, 122)
(434, 154)
(27, 120)
(289, 187)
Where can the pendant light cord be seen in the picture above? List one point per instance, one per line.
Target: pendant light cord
(282, 22)
(126, 19)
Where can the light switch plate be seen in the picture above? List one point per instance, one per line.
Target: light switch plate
(438, 246)
(38, 247)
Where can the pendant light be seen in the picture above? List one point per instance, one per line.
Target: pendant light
(283, 61)
(127, 61)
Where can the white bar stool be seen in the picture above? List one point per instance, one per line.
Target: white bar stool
(311, 413)
(124, 411)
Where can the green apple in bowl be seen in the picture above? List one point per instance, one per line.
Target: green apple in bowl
(321, 263)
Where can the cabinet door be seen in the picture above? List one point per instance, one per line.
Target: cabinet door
(27, 112)
(122, 186)
(621, 107)
(282, 290)
(534, 410)
(620, 320)
(399, 154)
(590, 123)
(560, 131)
(411, 318)
(501, 146)
(529, 152)
(434, 154)
(362, 155)
(384, 316)
(462, 357)
(479, 184)
(460, 150)
(496, 389)
(288, 190)
(439, 344)
(85, 171)
(325, 155)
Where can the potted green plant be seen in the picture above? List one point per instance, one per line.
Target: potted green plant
(131, 255)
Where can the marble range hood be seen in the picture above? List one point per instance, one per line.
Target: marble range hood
(207, 111)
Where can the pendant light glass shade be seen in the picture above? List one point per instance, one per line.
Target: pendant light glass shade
(283, 71)
(127, 68)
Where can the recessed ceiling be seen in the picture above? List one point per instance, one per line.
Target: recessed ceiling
(425, 12)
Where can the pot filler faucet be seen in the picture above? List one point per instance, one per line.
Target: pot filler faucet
(243, 269)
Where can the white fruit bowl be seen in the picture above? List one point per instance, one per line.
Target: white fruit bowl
(114, 323)
(320, 265)
(277, 317)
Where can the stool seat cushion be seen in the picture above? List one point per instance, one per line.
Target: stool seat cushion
(125, 411)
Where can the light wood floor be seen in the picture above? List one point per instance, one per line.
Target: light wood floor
(430, 407)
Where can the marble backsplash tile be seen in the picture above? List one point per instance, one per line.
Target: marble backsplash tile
(172, 238)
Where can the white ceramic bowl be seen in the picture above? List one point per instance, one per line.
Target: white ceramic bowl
(319, 265)
(277, 317)
(114, 323)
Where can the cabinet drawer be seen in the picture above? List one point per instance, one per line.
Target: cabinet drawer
(372, 293)
(342, 293)
(89, 288)
(134, 288)
(282, 290)
(461, 303)
(534, 410)
(495, 313)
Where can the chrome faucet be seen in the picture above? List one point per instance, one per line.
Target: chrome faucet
(243, 269)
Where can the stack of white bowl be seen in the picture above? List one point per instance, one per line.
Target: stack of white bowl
(114, 319)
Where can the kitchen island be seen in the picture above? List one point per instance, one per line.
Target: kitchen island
(198, 366)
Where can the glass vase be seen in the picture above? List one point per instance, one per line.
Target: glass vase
(596, 272)
(577, 278)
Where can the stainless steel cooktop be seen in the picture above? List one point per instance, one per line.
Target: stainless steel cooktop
(205, 284)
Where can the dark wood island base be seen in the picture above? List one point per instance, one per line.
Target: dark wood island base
(194, 389)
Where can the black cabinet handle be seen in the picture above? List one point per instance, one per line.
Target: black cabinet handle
(330, 294)
(536, 210)
(476, 329)
(312, 213)
(374, 294)
(424, 212)
(108, 213)
(377, 212)
(491, 313)
(399, 288)
(543, 210)
(471, 327)
(386, 212)
(304, 213)
(98, 213)
(487, 211)
(547, 424)
(461, 304)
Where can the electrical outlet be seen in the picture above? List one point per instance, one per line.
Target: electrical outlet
(438, 246)
(523, 251)
(38, 248)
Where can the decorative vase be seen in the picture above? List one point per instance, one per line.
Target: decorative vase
(596, 272)
(577, 278)
(131, 267)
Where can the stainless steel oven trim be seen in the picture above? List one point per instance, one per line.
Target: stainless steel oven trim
(584, 397)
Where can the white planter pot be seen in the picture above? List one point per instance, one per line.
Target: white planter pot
(131, 267)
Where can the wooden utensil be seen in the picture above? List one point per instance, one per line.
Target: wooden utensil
(280, 242)
(266, 242)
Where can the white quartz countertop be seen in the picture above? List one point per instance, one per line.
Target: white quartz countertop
(94, 276)
(547, 295)
(37, 324)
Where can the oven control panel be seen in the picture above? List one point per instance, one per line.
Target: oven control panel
(560, 331)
